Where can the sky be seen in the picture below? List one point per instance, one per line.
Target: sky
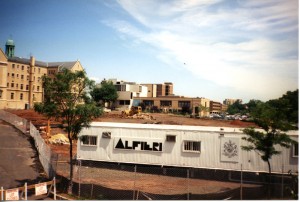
(217, 49)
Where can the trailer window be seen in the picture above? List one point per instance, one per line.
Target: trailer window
(295, 150)
(191, 146)
(89, 140)
(171, 138)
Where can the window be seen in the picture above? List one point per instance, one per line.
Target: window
(27, 87)
(13, 65)
(124, 102)
(22, 76)
(295, 149)
(120, 87)
(106, 134)
(89, 140)
(12, 85)
(7, 74)
(184, 103)
(12, 96)
(171, 138)
(21, 86)
(21, 96)
(22, 68)
(38, 88)
(148, 102)
(13, 75)
(191, 146)
(166, 103)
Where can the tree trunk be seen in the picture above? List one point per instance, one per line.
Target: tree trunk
(269, 180)
(70, 188)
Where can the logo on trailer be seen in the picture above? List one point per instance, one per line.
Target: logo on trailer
(133, 144)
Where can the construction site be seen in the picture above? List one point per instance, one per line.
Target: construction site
(40, 121)
(57, 137)
(104, 180)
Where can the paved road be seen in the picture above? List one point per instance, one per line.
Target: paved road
(18, 161)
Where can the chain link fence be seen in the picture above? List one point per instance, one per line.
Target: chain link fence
(47, 158)
(112, 181)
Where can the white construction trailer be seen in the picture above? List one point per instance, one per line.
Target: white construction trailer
(178, 146)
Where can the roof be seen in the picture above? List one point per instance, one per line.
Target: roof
(166, 127)
(66, 65)
(177, 127)
(10, 42)
(60, 65)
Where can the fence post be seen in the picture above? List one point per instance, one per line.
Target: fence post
(79, 177)
(92, 190)
(134, 182)
(282, 181)
(25, 191)
(241, 185)
(2, 199)
(188, 184)
(54, 188)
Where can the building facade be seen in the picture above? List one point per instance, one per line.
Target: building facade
(196, 106)
(21, 78)
(126, 92)
(215, 107)
(158, 90)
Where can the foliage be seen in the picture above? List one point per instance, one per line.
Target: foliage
(265, 143)
(64, 99)
(273, 117)
(236, 107)
(106, 93)
(293, 188)
(288, 105)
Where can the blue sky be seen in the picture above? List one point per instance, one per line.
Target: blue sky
(218, 49)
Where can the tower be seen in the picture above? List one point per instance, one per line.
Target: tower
(10, 48)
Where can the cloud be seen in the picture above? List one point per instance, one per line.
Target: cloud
(251, 46)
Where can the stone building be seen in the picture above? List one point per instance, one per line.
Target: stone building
(21, 78)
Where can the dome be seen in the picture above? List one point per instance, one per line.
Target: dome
(10, 42)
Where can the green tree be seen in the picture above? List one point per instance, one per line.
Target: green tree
(274, 123)
(236, 107)
(288, 105)
(106, 93)
(64, 99)
(251, 105)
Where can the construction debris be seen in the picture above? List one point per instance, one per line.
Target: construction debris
(142, 116)
(59, 139)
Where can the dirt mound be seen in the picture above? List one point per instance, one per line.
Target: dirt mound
(153, 118)
(35, 118)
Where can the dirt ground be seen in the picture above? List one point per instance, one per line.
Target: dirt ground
(150, 186)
